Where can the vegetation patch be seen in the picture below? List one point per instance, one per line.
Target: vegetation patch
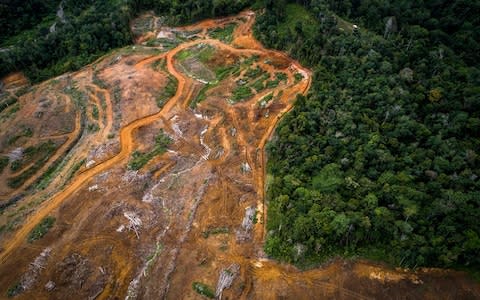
(216, 230)
(168, 92)
(265, 100)
(298, 77)
(195, 62)
(139, 159)
(41, 229)
(221, 73)
(224, 34)
(95, 112)
(241, 93)
(14, 290)
(203, 289)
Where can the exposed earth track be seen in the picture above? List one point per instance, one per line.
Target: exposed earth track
(192, 201)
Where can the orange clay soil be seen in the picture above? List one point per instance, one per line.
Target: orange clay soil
(186, 216)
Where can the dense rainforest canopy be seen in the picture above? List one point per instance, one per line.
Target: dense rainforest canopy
(380, 159)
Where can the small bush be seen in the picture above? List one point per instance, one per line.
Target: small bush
(41, 229)
(298, 77)
(217, 230)
(203, 289)
(14, 290)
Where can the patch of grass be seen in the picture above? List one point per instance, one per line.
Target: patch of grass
(184, 54)
(241, 93)
(58, 165)
(168, 92)
(195, 62)
(206, 54)
(224, 34)
(140, 159)
(4, 160)
(41, 229)
(203, 289)
(216, 230)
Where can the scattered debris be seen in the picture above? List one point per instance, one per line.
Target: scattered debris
(74, 271)
(90, 164)
(134, 222)
(246, 167)
(30, 277)
(16, 154)
(132, 176)
(202, 142)
(93, 188)
(176, 129)
(50, 286)
(244, 232)
(227, 276)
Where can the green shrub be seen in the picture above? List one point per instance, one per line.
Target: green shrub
(241, 93)
(140, 159)
(41, 229)
(203, 289)
(14, 290)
